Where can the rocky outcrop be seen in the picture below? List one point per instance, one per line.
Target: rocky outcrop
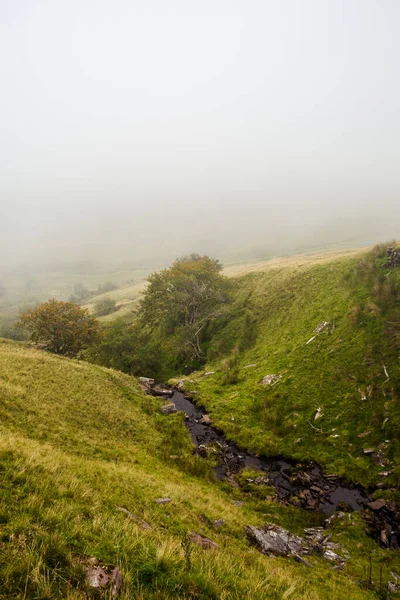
(393, 257)
(277, 541)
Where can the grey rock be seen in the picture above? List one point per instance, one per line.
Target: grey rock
(272, 539)
(219, 523)
(321, 326)
(168, 409)
(99, 576)
(377, 504)
(146, 381)
(270, 379)
(163, 500)
(202, 541)
(205, 420)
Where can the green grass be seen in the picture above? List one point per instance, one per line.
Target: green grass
(76, 442)
(273, 316)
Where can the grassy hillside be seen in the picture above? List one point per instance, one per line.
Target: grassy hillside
(126, 298)
(348, 372)
(77, 441)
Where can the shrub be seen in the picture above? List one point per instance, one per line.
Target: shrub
(62, 327)
(105, 306)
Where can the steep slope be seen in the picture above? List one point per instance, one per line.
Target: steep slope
(330, 334)
(78, 441)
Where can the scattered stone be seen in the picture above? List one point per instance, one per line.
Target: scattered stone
(168, 409)
(385, 473)
(380, 458)
(321, 326)
(163, 500)
(162, 392)
(99, 576)
(270, 379)
(364, 434)
(262, 480)
(146, 384)
(209, 373)
(330, 555)
(180, 384)
(147, 381)
(219, 523)
(302, 560)
(237, 503)
(140, 522)
(318, 414)
(368, 450)
(202, 541)
(205, 420)
(392, 587)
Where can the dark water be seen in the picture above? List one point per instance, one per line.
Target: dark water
(303, 485)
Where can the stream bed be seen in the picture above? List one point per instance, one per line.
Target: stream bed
(303, 485)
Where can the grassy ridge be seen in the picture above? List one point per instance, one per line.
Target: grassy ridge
(76, 442)
(341, 370)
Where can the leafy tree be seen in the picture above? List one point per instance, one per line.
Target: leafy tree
(62, 326)
(105, 306)
(182, 302)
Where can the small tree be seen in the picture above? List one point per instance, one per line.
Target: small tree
(181, 303)
(63, 327)
(105, 306)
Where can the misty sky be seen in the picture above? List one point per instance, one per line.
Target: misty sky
(163, 126)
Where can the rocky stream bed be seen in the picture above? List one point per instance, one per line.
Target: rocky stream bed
(303, 485)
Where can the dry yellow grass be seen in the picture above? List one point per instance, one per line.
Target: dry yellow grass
(298, 261)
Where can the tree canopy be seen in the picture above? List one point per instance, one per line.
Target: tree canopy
(182, 301)
(63, 327)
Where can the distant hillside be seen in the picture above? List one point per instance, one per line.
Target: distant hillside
(78, 441)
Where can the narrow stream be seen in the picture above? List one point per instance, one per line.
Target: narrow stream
(304, 486)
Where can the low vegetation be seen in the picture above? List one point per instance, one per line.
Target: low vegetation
(61, 327)
(79, 441)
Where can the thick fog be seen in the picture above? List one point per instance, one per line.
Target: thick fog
(137, 131)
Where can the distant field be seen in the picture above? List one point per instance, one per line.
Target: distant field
(127, 298)
(300, 260)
